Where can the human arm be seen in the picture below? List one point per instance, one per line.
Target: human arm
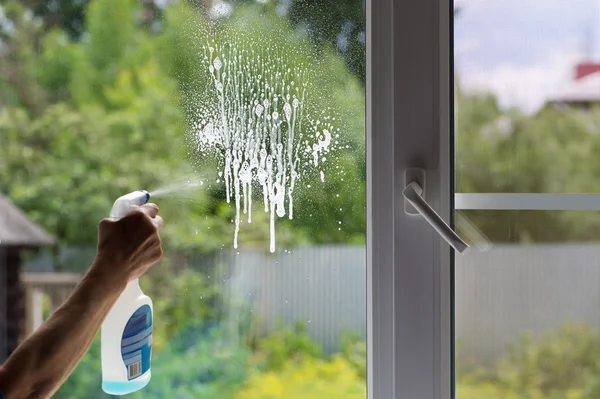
(126, 249)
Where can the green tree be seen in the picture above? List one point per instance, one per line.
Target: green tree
(126, 91)
(553, 151)
(332, 91)
(339, 24)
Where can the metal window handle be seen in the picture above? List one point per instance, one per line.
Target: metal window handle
(413, 194)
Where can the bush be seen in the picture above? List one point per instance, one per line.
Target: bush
(290, 364)
(471, 388)
(354, 350)
(185, 299)
(289, 343)
(307, 379)
(555, 364)
(214, 366)
(563, 364)
(475, 389)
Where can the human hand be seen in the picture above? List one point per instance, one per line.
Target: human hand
(129, 246)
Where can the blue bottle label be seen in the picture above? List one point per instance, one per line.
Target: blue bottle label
(136, 343)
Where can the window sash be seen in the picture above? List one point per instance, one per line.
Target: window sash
(409, 267)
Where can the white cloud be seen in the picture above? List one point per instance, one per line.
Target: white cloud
(458, 3)
(524, 86)
(522, 50)
(466, 46)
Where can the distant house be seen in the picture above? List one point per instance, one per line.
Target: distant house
(583, 91)
(17, 234)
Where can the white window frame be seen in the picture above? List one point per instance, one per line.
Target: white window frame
(409, 267)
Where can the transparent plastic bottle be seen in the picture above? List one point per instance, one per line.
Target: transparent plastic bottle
(126, 335)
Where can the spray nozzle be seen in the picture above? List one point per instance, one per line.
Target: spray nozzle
(123, 204)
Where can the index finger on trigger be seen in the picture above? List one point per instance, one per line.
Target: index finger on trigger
(149, 209)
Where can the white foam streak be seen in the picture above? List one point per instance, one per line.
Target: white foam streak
(256, 124)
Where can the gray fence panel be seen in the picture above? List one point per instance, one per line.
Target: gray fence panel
(500, 294)
(510, 290)
(324, 287)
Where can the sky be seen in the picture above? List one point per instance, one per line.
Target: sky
(524, 50)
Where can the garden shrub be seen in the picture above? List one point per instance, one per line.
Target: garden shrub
(309, 378)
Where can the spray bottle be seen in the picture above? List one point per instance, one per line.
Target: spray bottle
(127, 329)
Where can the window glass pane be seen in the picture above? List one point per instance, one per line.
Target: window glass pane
(527, 96)
(246, 122)
(526, 311)
(527, 116)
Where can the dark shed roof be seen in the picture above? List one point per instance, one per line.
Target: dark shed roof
(16, 229)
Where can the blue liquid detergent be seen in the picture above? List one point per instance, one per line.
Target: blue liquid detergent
(136, 354)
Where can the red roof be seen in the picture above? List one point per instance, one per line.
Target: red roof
(585, 88)
(584, 69)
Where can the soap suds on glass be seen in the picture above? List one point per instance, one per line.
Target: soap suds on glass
(256, 119)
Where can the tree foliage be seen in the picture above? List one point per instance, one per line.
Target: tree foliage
(112, 119)
(506, 151)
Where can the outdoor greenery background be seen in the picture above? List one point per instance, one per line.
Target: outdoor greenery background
(95, 98)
